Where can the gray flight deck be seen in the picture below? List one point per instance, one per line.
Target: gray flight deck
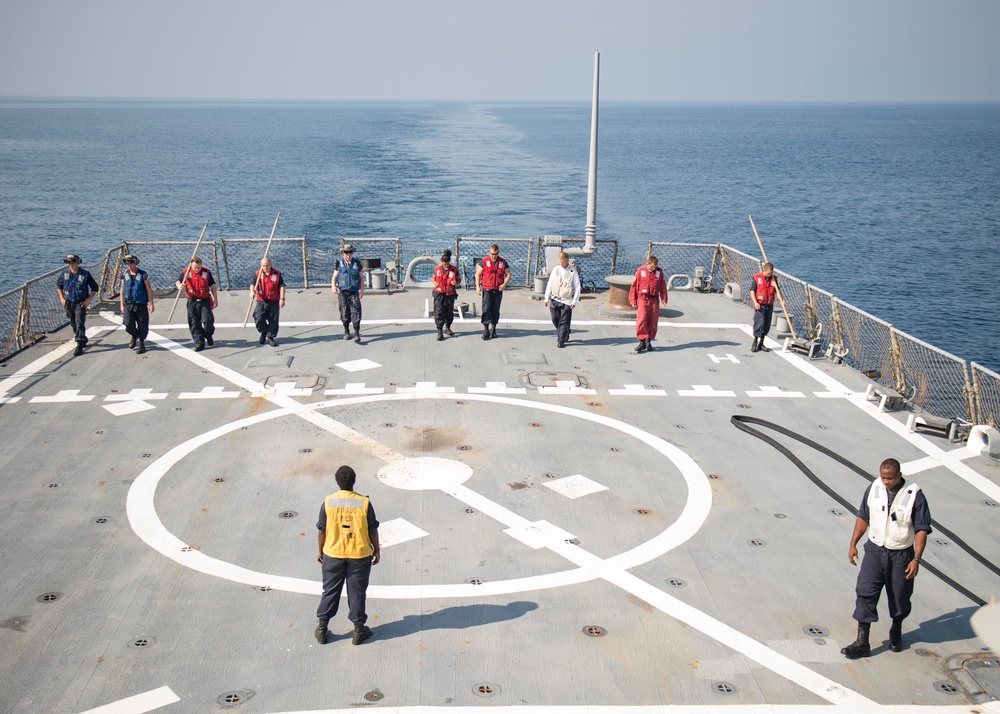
(577, 528)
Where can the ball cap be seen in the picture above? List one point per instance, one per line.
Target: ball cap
(71, 258)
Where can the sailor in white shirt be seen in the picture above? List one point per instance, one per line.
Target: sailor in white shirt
(561, 295)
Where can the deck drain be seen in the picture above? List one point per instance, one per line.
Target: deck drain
(941, 542)
(835, 512)
(388, 425)
(234, 698)
(145, 456)
(470, 510)
(679, 426)
(288, 514)
(724, 688)
(486, 689)
(780, 515)
(615, 449)
(127, 481)
(263, 588)
(460, 402)
(548, 475)
(374, 696)
(756, 542)
(707, 411)
(815, 631)
(219, 479)
(641, 511)
(675, 582)
(99, 432)
(743, 406)
(572, 541)
(53, 485)
(48, 597)
(306, 450)
(100, 520)
(922, 652)
(535, 424)
(594, 631)
(188, 549)
(464, 447)
(474, 581)
(593, 404)
(178, 409)
(140, 643)
(714, 477)
(946, 687)
(991, 504)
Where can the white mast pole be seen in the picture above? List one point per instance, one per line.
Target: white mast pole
(590, 232)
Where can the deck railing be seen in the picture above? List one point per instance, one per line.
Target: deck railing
(926, 377)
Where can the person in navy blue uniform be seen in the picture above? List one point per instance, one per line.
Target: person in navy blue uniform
(349, 289)
(76, 287)
(348, 548)
(136, 301)
(897, 519)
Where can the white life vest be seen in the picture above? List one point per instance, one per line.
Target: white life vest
(891, 528)
(564, 288)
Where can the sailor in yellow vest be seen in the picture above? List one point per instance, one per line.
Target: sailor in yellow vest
(348, 548)
(897, 519)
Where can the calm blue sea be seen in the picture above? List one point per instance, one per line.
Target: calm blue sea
(894, 208)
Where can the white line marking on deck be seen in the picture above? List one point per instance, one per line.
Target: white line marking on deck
(209, 393)
(728, 358)
(357, 365)
(637, 390)
(30, 370)
(705, 390)
(540, 534)
(670, 709)
(137, 395)
(575, 486)
(129, 407)
(565, 386)
(288, 389)
(425, 388)
(138, 704)
(352, 388)
(497, 388)
(398, 530)
(9, 400)
(775, 392)
(66, 395)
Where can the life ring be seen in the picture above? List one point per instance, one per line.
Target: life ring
(410, 280)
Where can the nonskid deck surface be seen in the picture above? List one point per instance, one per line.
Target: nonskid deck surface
(577, 527)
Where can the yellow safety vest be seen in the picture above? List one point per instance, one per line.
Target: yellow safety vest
(347, 526)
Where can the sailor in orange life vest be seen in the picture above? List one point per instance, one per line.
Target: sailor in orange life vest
(270, 294)
(762, 294)
(348, 548)
(445, 289)
(648, 292)
(563, 292)
(897, 519)
(202, 298)
(492, 276)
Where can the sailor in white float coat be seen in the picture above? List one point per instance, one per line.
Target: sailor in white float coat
(897, 519)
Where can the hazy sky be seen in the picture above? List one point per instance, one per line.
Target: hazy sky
(651, 50)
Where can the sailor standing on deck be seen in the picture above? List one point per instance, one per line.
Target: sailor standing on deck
(445, 290)
(492, 276)
(202, 298)
(76, 287)
(349, 289)
(348, 548)
(762, 293)
(270, 295)
(648, 292)
(136, 301)
(562, 293)
(897, 519)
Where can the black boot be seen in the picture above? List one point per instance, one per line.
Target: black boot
(641, 346)
(860, 646)
(896, 636)
(761, 347)
(361, 633)
(79, 349)
(357, 334)
(320, 632)
(440, 335)
(649, 344)
(486, 332)
(142, 347)
(131, 342)
(493, 330)
(347, 332)
(754, 347)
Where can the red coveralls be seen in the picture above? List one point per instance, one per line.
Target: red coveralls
(648, 292)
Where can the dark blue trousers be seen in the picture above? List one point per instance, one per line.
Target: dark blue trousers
(762, 320)
(350, 308)
(201, 319)
(491, 306)
(881, 567)
(76, 313)
(444, 310)
(562, 315)
(336, 571)
(136, 319)
(265, 317)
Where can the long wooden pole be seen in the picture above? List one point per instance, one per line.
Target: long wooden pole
(777, 288)
(253, 293)
(187, 268)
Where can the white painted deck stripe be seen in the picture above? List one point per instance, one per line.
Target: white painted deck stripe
(138, 704)
(30, 370)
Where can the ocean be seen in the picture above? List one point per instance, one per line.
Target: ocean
(894, 208)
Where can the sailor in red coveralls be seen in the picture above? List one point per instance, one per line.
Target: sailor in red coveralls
(648, 292)
(762, 294)
(202, 298)
(445, 284)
